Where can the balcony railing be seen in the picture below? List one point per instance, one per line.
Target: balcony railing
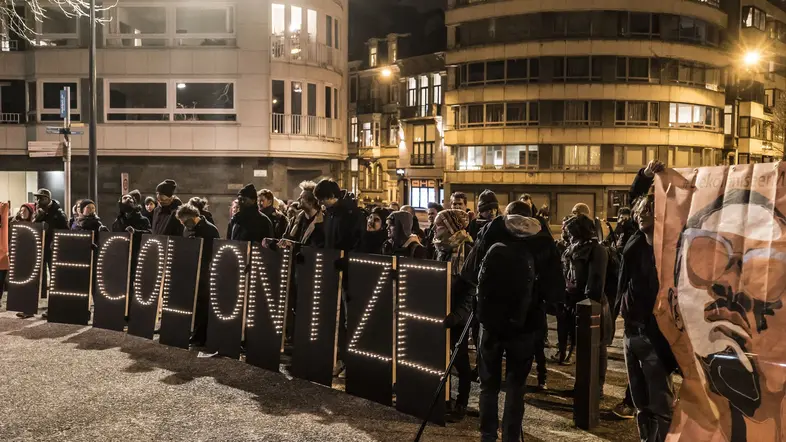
(10, 118)
(306, 125)
(369, 107)
(431, 110)
(294, 49)
(421, 159)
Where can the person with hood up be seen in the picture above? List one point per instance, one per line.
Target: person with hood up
(130, 218)
(149, 208)
(88, 220)
(488, 207)
(453, 244)
(401, 241)
(306, 228)
(26, 213)
(344, 221)
(515, 267)
(203, 206)
(164, 220)
(197, 226)
(428, 238)
(537, 214)
(375, 235)
(415, 222)
(584, 264)
(268, 206)
(249, 224)
(48, 211)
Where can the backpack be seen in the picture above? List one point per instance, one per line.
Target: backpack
(506, 287)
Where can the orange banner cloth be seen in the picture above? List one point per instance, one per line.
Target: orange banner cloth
(720, 248)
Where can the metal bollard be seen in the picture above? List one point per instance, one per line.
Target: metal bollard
(586, 397)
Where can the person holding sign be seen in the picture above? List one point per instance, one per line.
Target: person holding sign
(453, 244)
(249, 224)
(306, 227)
(164, 220)
(88, 220)
(130, 218)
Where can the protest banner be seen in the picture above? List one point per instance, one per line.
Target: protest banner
(145, 298)
(178, 296)
(4, 215)
(26, 267)
(71, 277)
(720, 248)
(228, 287)
(112, 280)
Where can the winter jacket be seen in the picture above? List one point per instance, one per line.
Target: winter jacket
(203, 229)
(278, 220)
(133, 219)
(307, 231)
(249, 224)
(208, 216)
(372, 242)
(428, 242)
(344, 224)
(475, 227)
(31, 208)
(55, 219)
(90, 223)
(416, 228)
(404, 242)
(164, 220)
(148, 215)
(460, 292)
(585, 276)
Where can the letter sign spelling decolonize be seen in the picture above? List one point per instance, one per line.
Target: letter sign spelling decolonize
(178, 300)
(25, 267)
(318, 300)
(422, 348)
(148, 283)
(228, 279)
(112, 281)
(71, 277)
(267, 296)
(370, 317)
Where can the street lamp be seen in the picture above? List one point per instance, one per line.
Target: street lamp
(751, 58)
(386, 72)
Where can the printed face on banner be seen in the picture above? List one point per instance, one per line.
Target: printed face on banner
(726, 295)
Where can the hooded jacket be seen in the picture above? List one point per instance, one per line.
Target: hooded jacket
(133, 219)
(164, 220)
(249, 224)
(404, 242)
(90, 223)
(344, 224)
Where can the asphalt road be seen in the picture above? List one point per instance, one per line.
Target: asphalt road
(64, 383)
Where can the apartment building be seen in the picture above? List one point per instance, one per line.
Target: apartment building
(567, 100)
(213, 94)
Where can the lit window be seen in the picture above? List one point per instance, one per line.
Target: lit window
(372, 56)
(149, 101)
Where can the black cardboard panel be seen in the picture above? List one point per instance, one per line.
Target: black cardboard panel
(422, 345)
(228, 285)
(369, 357)
(26, 264)
(112, 280)
(71, 277)
(148, 282)
(318, 298)
(180, 287)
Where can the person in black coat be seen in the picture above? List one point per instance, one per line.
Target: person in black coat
(203, 206)
(130, 218)
(488, 208)
(306, 227)
(374, 237)
(88, 220)
(197, 226)
(149, 208)
(401, 241)
(249, 224)
(267, 207)
(164, 220)
(344, 221)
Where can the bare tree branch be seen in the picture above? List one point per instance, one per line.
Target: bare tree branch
(779, 123)
(37, 10)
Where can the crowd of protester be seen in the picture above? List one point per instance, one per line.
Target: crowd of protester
(506, 268)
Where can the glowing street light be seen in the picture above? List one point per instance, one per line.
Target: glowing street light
(751, 58)
(181, 85)
(386, 72)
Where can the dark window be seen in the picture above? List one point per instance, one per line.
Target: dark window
(476, 72)
(475, 114)
(312, 99)
(329, 28)
(137, 96)
(640, 23)
(52, 95)
(278, 97)
(353, 89)
(297, 98)
(328, 102)
(495, 71)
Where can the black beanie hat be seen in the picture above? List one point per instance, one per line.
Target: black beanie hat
(487, 201)
(137, 196)
(167, 188)
(249, 192)
(150, 199)
(85, 203)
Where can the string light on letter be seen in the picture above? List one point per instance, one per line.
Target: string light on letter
(16, 230)
(100, 267)
(170, 253)
(372, 302)
(404, 315)
(56, 263)
(241, 282)
(283, 292)
(143, 252)
(258, 270)
(317, 296)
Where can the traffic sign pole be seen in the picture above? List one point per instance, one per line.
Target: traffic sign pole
(67, 145)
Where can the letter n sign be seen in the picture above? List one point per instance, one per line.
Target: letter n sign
(25, 267)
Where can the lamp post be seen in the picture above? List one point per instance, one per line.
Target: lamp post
(92, 186)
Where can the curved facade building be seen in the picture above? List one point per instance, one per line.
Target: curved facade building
(567, 100)
(213, 94)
